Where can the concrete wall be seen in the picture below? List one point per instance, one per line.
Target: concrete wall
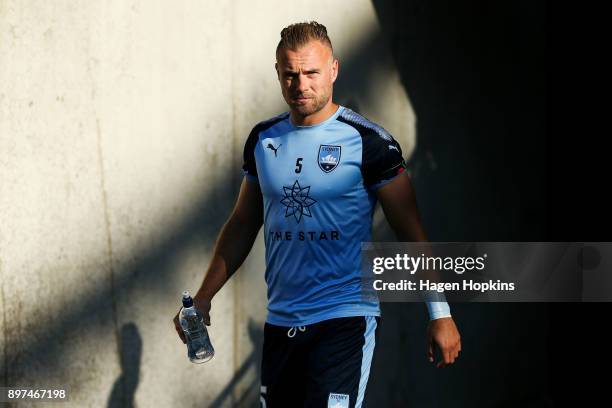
(122, 125)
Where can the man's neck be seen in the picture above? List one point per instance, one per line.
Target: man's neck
(315, 118)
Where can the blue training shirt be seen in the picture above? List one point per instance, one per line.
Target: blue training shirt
(318, 184)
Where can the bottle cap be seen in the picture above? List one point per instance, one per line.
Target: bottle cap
(187, 300)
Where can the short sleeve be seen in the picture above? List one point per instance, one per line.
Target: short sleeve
(382, 159)
(249, 167)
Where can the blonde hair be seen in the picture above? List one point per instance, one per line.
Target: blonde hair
(299, 34)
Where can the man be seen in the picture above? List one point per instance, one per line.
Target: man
(314, 175)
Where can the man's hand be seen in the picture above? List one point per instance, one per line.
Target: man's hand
(443, 333)
(203, 307)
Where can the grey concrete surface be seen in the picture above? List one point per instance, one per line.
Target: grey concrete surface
(122, 125)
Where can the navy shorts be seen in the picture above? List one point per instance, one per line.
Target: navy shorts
(325, 364)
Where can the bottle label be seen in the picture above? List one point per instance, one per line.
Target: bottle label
(195, 329)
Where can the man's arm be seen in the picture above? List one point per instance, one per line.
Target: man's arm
(235, 239)
(398, 201)
(233, 245)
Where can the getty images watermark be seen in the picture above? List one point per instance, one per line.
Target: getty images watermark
(487, 271)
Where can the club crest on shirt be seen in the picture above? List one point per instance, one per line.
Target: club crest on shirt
(329, 157)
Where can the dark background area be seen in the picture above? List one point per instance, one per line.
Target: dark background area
(496, 160)
(579, 203)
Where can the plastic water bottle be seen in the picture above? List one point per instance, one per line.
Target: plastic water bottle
(199, 347)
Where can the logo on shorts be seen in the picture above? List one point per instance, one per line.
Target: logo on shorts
(338, 400)
(329, 157)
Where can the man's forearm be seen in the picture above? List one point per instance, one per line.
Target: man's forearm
(233, 245)
(437, 307)
(406, 223)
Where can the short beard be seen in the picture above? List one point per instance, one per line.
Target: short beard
(317, 104)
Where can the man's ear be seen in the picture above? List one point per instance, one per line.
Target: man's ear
(276, 68)
(335, 67)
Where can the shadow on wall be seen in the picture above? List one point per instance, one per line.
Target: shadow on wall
(130, 353)
(475, 75)
(253, 361)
